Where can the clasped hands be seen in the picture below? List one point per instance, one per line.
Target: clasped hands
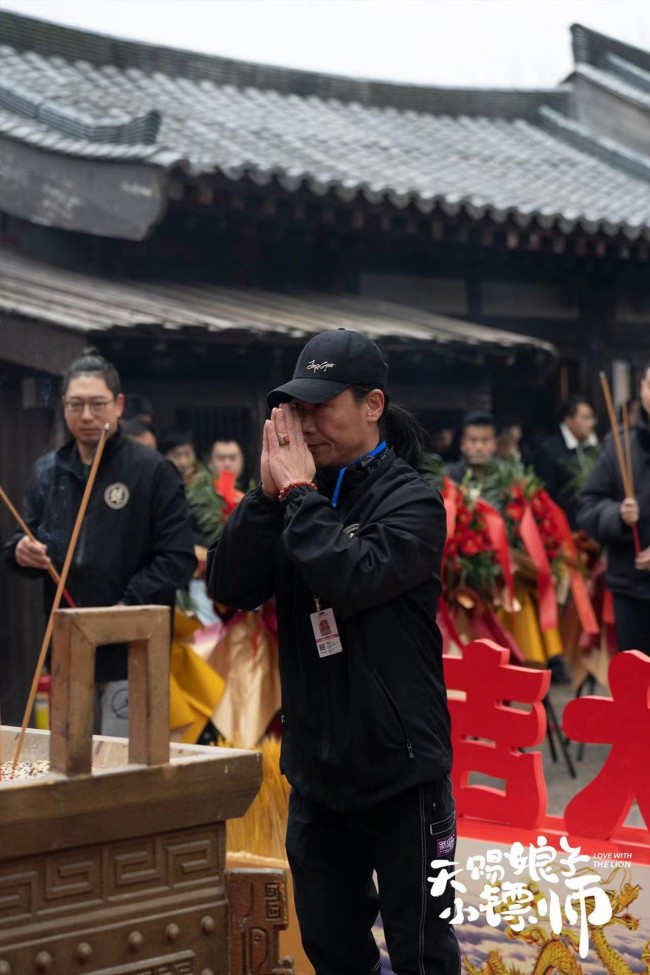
(285, 456)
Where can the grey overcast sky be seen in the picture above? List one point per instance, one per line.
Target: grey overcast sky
(487, 43)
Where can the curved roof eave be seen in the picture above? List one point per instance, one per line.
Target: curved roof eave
(451, 205)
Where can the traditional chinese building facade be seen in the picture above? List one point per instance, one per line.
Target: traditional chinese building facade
(197, 218)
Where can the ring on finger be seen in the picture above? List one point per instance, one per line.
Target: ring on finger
(284, 439)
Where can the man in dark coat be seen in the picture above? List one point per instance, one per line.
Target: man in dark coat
(135, 545)
(609, 516)
(560, 457)
(349, 538)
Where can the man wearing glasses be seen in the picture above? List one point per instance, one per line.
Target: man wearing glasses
(135, 545)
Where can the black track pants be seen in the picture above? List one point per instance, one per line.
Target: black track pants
(332, 857)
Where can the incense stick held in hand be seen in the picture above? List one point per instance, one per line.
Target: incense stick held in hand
(628, 447)
(59, 592)
(624, 462)
(23, 527)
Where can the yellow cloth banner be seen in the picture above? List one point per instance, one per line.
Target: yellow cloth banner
(537, 645)
(247, 658)
(195, 688)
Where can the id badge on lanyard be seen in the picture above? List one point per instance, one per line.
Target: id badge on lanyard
(325, 630)
(323, 622)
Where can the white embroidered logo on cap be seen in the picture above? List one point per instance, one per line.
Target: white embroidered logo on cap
(320, 366)
(116, 496)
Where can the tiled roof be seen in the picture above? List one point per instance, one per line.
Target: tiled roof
(496, 167)
(631, 73)
(590, 47)
(635, 163)
(52, 40)
(83, 303)
(627, 88)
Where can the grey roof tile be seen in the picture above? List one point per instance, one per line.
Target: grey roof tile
(631, 73)
(622, 87)
(499, 167)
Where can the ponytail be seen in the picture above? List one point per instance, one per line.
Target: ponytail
(400, 429)
(404, 432)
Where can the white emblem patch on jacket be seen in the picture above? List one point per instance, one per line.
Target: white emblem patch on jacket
(116, 495)
(351, 530)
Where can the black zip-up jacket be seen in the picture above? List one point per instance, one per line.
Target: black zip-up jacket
(368, 723)
(135, 544)
(600, 503)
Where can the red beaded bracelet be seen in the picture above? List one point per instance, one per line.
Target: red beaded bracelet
(295, 484)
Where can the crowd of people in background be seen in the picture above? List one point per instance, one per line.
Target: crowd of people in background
(578, 471)
(558, 459)
(565, 462)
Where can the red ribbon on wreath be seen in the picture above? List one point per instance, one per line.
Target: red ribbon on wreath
(496, 529)
(581, 598)
(532, 539)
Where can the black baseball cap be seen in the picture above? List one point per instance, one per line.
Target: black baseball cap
(330, 363)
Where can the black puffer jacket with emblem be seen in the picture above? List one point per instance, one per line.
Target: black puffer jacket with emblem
(371, 721)
(135, 544)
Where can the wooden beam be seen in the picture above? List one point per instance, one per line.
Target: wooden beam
(411, 226)
(38, 345)
(487, 236)
(580, 246)
(106, 198)
(176, 190)
(205, 194)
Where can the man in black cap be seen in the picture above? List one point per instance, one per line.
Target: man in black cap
(349, 538)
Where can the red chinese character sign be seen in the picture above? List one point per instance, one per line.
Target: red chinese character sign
(623, 722)
(488, 734)
(528, 898)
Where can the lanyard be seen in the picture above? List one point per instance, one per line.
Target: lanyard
(373, 453)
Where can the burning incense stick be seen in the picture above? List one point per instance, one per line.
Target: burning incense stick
(624, 463)
(59, 592)
(23, 527)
